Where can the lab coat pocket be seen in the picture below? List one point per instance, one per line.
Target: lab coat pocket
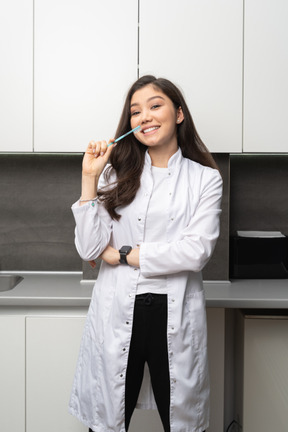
(197, 319)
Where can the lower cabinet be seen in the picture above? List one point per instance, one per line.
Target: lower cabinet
(265, 377)
(39, 351)
(12, 373)
(52, 345)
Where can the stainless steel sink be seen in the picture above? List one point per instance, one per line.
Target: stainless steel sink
(8, 282)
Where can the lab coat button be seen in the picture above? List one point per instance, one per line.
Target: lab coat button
(139, 219)
(127, 322)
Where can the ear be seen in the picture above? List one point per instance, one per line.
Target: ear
(180, 115)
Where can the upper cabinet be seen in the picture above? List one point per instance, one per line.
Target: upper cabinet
(85, 61)
(66, 67)
(266, 76)
(16, 76)
(198, 45)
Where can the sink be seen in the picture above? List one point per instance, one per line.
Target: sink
(8, 282)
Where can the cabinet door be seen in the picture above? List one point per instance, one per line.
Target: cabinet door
(198, 45)
(52, 345)
(265, 76)
(265, 375)
(16, 75)
(85, 60)
(12, 373)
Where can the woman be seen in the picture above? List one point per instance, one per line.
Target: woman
(152, 215)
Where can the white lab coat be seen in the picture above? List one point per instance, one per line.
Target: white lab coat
(192, 227)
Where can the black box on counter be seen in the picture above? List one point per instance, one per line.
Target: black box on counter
(258, 255)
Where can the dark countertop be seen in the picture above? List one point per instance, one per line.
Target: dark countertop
(61, 289)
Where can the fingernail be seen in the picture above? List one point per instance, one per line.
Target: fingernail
(102, 153)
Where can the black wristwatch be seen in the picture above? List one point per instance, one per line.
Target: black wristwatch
(124, 251)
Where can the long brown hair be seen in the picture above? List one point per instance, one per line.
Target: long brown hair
(127, 158)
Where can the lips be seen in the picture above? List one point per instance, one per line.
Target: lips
(149, 129)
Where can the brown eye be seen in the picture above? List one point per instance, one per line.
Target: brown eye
(134, 113)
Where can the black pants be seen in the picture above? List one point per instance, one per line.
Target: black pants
(149, 344)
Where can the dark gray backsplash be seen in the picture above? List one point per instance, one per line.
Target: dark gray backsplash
(218, 267)
(259, 193)
(36, 222)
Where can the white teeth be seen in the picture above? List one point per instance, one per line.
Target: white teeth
(150, 129)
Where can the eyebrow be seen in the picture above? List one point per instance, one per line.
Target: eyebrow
(148, 100)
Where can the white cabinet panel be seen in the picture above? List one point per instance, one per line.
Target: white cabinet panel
(265, 375)
(266, 76)
(52, 345)
(85, 61)
(12, 373)
(16, 75)
(198, 45)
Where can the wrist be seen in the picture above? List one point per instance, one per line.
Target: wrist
(89, 187)
(124, 251)
(133, 258)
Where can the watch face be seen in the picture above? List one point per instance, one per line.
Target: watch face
(125, 249)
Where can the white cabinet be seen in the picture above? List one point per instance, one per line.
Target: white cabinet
(16, 75)
(85, 61)
(265, 396)
(266, 76)
(198, 45)
(12, 373)
(52, 346)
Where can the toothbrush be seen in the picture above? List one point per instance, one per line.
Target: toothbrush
(136, 129)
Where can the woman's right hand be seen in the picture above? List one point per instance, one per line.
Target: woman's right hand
(96, 157)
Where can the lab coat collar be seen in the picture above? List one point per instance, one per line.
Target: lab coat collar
(173, 163)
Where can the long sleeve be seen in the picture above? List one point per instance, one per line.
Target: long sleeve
(92, 231)
(93, 228)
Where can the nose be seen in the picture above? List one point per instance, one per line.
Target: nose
(146, 116)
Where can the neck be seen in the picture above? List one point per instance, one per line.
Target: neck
(160, 158)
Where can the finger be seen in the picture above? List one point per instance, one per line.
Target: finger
(98, 148)
(108, 151)
(111, 142)
(103, 147)
(90, 147)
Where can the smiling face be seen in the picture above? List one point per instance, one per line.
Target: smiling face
(158, 118)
